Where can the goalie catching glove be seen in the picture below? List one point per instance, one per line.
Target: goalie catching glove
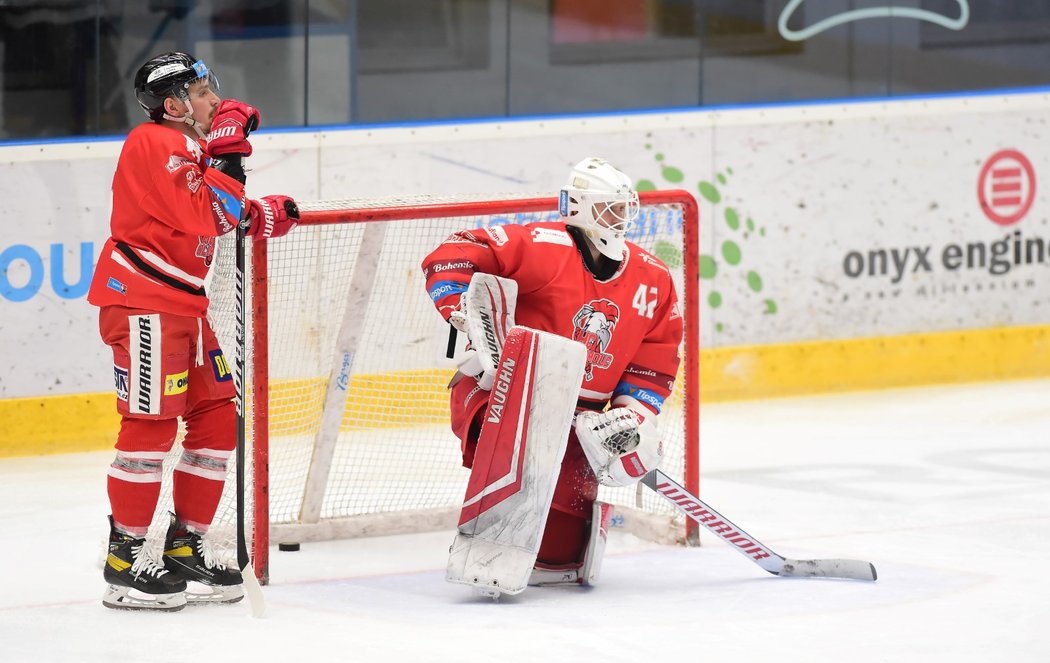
(621, 445)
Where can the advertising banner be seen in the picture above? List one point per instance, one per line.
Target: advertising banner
(818, 222)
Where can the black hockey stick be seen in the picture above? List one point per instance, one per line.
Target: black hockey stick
(450, 351)
(747, 545)
(251, 583)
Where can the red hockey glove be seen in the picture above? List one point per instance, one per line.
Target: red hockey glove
(272, 216)
(230, 127)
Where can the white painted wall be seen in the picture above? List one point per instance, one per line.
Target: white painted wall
(824, 187)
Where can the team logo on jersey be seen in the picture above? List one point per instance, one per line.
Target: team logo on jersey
(205, 248)
(593, 326)
(194, 180)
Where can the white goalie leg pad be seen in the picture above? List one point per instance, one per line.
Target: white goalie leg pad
(592, 557)
(523, 440)
(487, 317)
(586, 572)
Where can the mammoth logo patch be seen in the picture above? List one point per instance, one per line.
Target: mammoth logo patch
(593, 326)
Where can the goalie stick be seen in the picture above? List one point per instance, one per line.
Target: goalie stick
(747, 545)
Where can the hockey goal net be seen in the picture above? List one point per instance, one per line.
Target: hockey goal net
(346, 371)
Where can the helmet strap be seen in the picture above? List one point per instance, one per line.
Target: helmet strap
(188, 119)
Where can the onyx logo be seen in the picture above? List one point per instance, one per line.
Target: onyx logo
(1006, 187)
(996, 258)
(177, 383)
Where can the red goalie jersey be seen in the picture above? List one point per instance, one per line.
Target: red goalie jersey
(630, 323)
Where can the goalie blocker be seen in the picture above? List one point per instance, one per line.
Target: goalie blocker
(515, 469)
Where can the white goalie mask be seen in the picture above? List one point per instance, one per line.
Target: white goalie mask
(601, 201)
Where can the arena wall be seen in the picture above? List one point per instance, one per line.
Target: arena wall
(843, 246)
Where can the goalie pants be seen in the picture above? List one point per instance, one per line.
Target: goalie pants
(168, 366)
(568, 525)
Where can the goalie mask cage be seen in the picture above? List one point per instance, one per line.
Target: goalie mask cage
(353, 438)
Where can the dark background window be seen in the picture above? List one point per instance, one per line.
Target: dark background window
(66, 66)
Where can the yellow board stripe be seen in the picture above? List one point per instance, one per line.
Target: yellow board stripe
(766, 371)
(88, 422)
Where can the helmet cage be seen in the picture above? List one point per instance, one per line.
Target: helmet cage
(613, 211)
(604, 216)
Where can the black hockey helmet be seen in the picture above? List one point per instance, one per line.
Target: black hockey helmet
(169, 75)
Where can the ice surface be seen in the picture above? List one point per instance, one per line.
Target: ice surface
(946, 490)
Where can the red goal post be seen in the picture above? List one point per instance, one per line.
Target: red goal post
(347, 409)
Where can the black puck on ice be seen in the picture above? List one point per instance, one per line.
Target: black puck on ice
(288, 547)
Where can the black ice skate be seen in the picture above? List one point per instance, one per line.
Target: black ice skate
(136, 582)
(186, 556)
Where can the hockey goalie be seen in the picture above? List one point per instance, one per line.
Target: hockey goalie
(574, 335)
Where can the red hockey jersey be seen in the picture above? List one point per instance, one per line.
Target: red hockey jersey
(630, 324)
(168, 208)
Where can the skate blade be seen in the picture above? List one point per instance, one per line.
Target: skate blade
(198, 593)
(118, 597)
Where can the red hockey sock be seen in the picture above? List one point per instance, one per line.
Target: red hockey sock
(133, 503)
(135, 474)
(201, 471)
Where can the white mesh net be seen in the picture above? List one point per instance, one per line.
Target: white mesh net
(392, 465)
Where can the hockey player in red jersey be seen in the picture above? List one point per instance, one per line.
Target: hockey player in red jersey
(580, 279)
(179, 184)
